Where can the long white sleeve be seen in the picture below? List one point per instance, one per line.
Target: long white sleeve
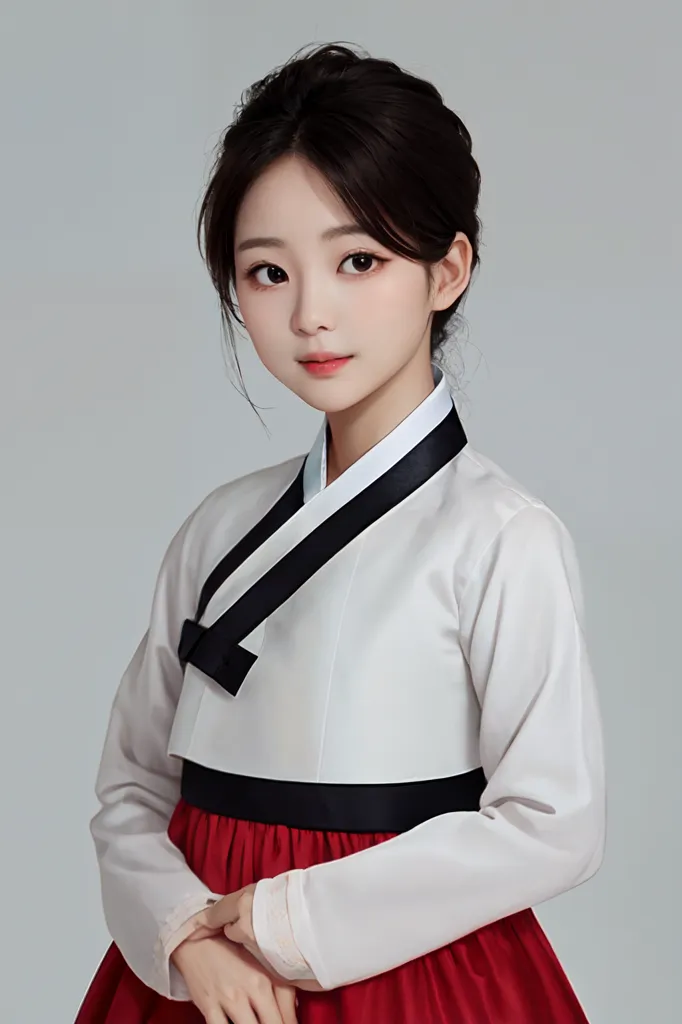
(540, 829)
(148, 890)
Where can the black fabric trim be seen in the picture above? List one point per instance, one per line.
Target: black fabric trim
(209, 649)
(283, 509)
(330, 807)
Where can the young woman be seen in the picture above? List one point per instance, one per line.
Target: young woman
(360, 739)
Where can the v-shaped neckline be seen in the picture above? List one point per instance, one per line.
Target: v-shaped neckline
(292, 517)
(428, 414)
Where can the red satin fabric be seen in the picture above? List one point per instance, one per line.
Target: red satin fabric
(505, 973)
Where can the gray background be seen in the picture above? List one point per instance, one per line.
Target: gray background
(117, 414)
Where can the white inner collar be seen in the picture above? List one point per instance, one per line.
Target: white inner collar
(420, 422)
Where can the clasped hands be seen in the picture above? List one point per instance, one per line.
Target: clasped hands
(233, 916)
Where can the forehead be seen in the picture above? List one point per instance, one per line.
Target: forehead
(289, 197)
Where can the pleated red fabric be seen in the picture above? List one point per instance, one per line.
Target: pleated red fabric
(505, 973)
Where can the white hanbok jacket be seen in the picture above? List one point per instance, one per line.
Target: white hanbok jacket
(447, 635)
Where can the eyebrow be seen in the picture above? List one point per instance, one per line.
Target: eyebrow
(279, 243)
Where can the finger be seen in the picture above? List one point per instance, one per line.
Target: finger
(239, 1013)
(216, 1016)
(201, 932)
(235, 933)
(221, 913)
(286, 1001)
(267, 1008)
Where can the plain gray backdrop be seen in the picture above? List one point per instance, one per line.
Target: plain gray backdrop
(118, 415)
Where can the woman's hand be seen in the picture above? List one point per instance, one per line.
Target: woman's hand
(226, 984)
(233, 917)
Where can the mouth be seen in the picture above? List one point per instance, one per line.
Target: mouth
(324, 363)
(321, 357)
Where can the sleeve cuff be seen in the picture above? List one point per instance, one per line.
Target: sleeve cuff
(176, 928)
(273, 930)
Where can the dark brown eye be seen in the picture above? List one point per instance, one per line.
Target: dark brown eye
(361, 262)
(273, 274)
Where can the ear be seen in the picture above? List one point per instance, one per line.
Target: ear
(452, 274)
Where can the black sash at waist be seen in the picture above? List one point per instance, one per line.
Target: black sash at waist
(330, 807)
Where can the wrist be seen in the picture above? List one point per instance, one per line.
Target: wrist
(178, 954)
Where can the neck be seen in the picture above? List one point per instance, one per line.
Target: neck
(354, 431)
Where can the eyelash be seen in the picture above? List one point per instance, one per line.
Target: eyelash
(251, 273)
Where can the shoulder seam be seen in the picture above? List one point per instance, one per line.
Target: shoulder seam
(530, 499)
(524, 508)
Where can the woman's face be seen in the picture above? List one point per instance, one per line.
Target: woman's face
(309, 283)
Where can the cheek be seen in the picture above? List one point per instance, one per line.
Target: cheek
(398, 302)
(245, 300)
(259, 313)
(265, 323)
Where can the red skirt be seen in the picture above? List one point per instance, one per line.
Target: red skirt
(505, 973)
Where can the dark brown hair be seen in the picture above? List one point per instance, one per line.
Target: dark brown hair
(394, 153)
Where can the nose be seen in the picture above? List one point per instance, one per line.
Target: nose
(312, 310)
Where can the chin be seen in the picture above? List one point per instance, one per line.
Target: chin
(331, 399)
(327, 396)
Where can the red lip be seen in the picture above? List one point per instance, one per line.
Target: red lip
(322, 357)
(324, 364)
